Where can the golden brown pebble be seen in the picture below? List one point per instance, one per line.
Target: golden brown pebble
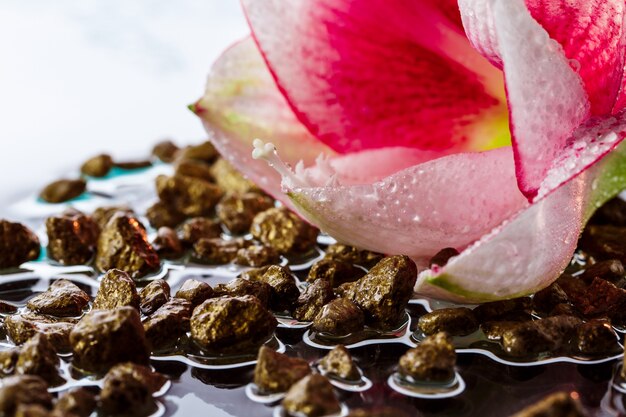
(432, 360)
(103, 338)
(21, 327)
(560, 404)
(232, 324)
(284, 231)
(276, 372)
(338, 362)
(72, 238)
(18, 244)
(116, 290)
(194, 291)
(123, 244)
(98, 166)
(229, 179)
(188, 195)
(23, 390)
(312, 396)
(63, 190)
(236, 211)
(62, 299)
(204, 151)
(165, 150)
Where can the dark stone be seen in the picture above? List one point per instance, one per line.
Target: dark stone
(72, 238)
(458, 321)
(353, 255)
(167, 324)
(240, 287)
(232, 324)
(560, 404)
(8, 359)
(194, 168)
(312, 396)
(604, 242)
(153, 296)
(547, 299)
(432, 360)
(334, 271)
(237, 211)
(165, 150)
(103, 338)
(18, 244)
(257, 256)
(204, 152)
(194, 291)
(311, 301)
(539, 336)
(276, 372)
(62, 299)
(284, 289)
(167, 244)
(217, 251)
(123, 244)
(79, 402)
(130, 165)
(338, 362)
(596, 337)
(514, 309)
(442, 257)
(97, 166)
(284, 231)
(339, 317)
(384, 292)
(602, 299)
(116, 290)
(162, 214)
(613, 212)
(23, 390)
(21, 327)
(38, 357)
(229, 179)
(611, 270)
(127, 390)
(199, 228)
(63, 190)
(102, 215)
(188, 195)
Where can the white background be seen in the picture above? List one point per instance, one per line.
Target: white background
(78, 77)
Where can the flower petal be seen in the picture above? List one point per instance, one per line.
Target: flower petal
(529, 251)
(241, 102)
(450, 201)
(591, 34)
(547, 100)
(364, 74)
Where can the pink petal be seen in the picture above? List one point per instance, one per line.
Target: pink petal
(241, 103)
(363, 74)
(529, 251)
(547, 100)
(450, 201)
(593, 37)
(590, 32)
(590, 142)
(372, 165)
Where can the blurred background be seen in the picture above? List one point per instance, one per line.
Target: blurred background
(79, 77)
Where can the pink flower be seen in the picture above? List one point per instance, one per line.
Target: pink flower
(423, 149)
